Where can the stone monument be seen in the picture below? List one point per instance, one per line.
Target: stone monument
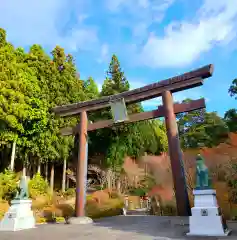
(206, 219)
(19, 216)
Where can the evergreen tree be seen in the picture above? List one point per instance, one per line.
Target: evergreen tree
(200, 128)
(3, 40)
(116, 81)
(22, 112)
(90, 88)
(231, 119)
(233, 89)
(126, 139)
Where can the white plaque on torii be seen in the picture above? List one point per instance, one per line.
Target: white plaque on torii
(119, 110)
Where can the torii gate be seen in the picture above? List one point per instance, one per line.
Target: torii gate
(163, 88)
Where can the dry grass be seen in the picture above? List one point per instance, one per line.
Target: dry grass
(51, 209)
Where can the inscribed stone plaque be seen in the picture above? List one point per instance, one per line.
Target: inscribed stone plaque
(11, 215)
(204, 212)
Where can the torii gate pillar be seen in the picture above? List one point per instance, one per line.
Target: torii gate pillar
(182, 200)
(81, 158)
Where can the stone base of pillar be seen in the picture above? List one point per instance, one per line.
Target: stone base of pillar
(79, 220)
(206, 219)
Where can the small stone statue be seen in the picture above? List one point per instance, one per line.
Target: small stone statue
(22, 191)
(203, 180)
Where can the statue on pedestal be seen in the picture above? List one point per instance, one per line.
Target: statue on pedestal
(203, 180)
(206, 219)
(22, 190)
(19, 215)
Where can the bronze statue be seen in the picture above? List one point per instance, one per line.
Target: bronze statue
(203, 181)
(22, 190)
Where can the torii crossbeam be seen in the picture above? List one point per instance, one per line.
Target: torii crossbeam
(163, 88)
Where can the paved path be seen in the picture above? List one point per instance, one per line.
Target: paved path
(114, 228)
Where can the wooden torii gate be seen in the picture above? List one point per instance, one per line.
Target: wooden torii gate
(164, 88)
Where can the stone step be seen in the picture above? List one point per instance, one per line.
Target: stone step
(137, 212)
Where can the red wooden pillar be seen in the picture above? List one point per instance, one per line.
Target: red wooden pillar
(181, 194)
(80, 176)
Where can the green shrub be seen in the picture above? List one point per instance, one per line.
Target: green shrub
(70, 192)
(38, 186)
(106, 213)
(41, 220)
(59, 219)
(89, 197)
(8, 185)
(138, 192)
(98, 187)
(95, 211)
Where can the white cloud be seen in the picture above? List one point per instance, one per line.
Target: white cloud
(28, 22)
(183, 42)
(140, 30)
(80, 39)
(115, 4)
(50, 22)
(133, 5)
(138, 15)
(104, 53)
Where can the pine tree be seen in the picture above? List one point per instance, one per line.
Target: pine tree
(116, 81)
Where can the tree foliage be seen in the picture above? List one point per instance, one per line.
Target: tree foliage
(33, 82)
(115, 81)
(200, 128)
(231, 119)
(125, 140)
(233, 89)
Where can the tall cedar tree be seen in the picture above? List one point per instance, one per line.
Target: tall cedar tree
(126, 139)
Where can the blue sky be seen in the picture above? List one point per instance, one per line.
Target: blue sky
(153, 39)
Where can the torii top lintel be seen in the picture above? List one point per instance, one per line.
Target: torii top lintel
(178, 83)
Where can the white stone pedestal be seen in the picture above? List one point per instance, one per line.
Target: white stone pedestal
(18, 217)
(206, 219)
